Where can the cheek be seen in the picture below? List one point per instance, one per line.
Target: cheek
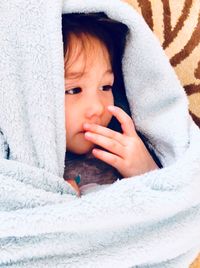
(66, 111)
(69, 114)
(110, 99)
(72, 117)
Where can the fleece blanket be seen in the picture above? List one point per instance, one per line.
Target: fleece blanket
(151, 220)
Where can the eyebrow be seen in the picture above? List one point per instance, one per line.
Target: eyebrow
(77, 74)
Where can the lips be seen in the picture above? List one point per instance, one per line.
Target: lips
(97, 123)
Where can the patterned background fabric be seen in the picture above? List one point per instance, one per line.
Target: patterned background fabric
(177, 26)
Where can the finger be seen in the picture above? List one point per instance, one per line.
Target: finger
(104, 131)
(111, 159)
(107, 143)
(125, 120)
(73, 183)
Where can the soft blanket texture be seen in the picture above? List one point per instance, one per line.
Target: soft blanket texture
(152, 220)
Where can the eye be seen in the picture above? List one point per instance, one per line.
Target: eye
(107, 87)
(73, 91)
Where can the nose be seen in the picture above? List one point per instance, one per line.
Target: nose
(94, 108)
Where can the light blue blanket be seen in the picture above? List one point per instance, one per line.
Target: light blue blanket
(152, 220)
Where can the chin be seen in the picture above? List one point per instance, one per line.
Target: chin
(83, 148)
(79, 145)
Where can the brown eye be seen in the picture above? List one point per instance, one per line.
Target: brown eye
(107, 87)
(73, 91)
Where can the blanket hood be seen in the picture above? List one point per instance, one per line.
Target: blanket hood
(158, 103)
(35, 77)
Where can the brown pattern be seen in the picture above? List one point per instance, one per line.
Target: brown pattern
(186, 51)
(197, 71)
(146, 11)
(170, 34)
(197, 121)
(192, 89)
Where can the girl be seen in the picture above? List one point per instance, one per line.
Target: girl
(100, 133)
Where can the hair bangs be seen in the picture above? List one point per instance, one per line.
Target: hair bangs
(84, 45)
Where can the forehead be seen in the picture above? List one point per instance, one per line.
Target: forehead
(83, 51)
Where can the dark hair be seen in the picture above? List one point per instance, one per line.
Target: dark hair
(113, 35)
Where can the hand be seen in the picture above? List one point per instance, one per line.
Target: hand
(125, 151)
(73, 183)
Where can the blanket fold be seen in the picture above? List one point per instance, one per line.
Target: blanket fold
(151, 220)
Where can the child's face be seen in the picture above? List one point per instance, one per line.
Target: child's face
(87, 94)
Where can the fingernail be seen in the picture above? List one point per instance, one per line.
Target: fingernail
(111, 108)
(88, 134)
